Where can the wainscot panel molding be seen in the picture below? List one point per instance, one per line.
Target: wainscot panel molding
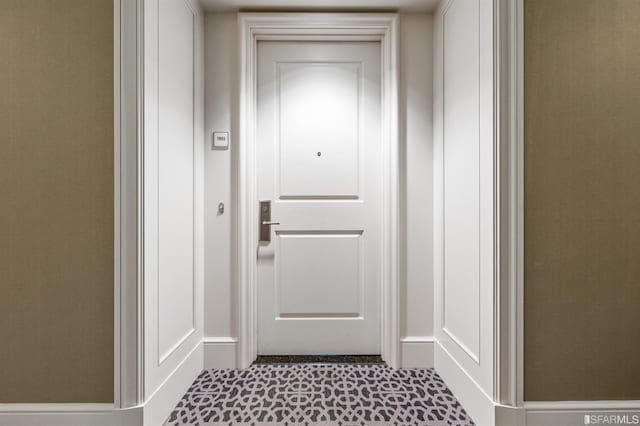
(173, 202)
(465, 198)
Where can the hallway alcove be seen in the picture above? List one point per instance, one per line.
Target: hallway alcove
(316, 179)
(394, 188)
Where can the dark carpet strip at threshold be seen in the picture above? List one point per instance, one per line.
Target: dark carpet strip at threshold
(319, 359)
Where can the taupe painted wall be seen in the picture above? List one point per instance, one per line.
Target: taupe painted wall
(582, 199)
(56, 201)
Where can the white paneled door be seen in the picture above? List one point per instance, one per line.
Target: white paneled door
(319, 163)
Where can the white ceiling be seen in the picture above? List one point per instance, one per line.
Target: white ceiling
(333, 5)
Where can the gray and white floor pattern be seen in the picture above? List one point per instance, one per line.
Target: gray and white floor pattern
(319, 394)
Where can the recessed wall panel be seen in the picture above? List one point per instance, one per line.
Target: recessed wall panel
(461, 176)
(318, 130)
(175, 174)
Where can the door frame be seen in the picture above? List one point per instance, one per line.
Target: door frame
(254, 27)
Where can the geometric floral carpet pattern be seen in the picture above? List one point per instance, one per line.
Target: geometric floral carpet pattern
(319, 394)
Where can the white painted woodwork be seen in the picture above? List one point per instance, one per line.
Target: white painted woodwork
(573, 413)
(465, 256)
(334, 5)
(127, 340)
(220, 352)
(318, 110)
(417, 352)
(416, 159)
(176, 139)
(330, 282)
(510, 75)
(172, 191)
(221, 105)
(319, 159)
(461, 157)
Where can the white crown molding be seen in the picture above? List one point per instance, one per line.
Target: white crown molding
(409, 6)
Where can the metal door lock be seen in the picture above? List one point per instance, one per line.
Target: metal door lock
(265, 221)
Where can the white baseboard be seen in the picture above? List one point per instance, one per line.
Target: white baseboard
(220, 352)
(160, 404)
(67, 415)
(480, 406)
(416, 352)
(509, 416)
(128, 416)
(474, 400)
(153, 413)
(572, 413)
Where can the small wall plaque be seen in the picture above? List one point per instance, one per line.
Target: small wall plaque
(220, 141)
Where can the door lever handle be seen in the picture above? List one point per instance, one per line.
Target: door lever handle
(268, 223)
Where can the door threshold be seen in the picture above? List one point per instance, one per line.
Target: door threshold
(319, 359)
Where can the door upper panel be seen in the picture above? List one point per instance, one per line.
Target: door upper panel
(318, 126)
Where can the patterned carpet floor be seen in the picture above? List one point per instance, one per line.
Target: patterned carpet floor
(319, 394)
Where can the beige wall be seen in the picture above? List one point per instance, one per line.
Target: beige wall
(582, 199)
(56, 201)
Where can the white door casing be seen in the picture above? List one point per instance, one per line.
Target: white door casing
(319, 160)
(255, 27)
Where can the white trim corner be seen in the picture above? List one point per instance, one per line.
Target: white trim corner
(127, 220)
